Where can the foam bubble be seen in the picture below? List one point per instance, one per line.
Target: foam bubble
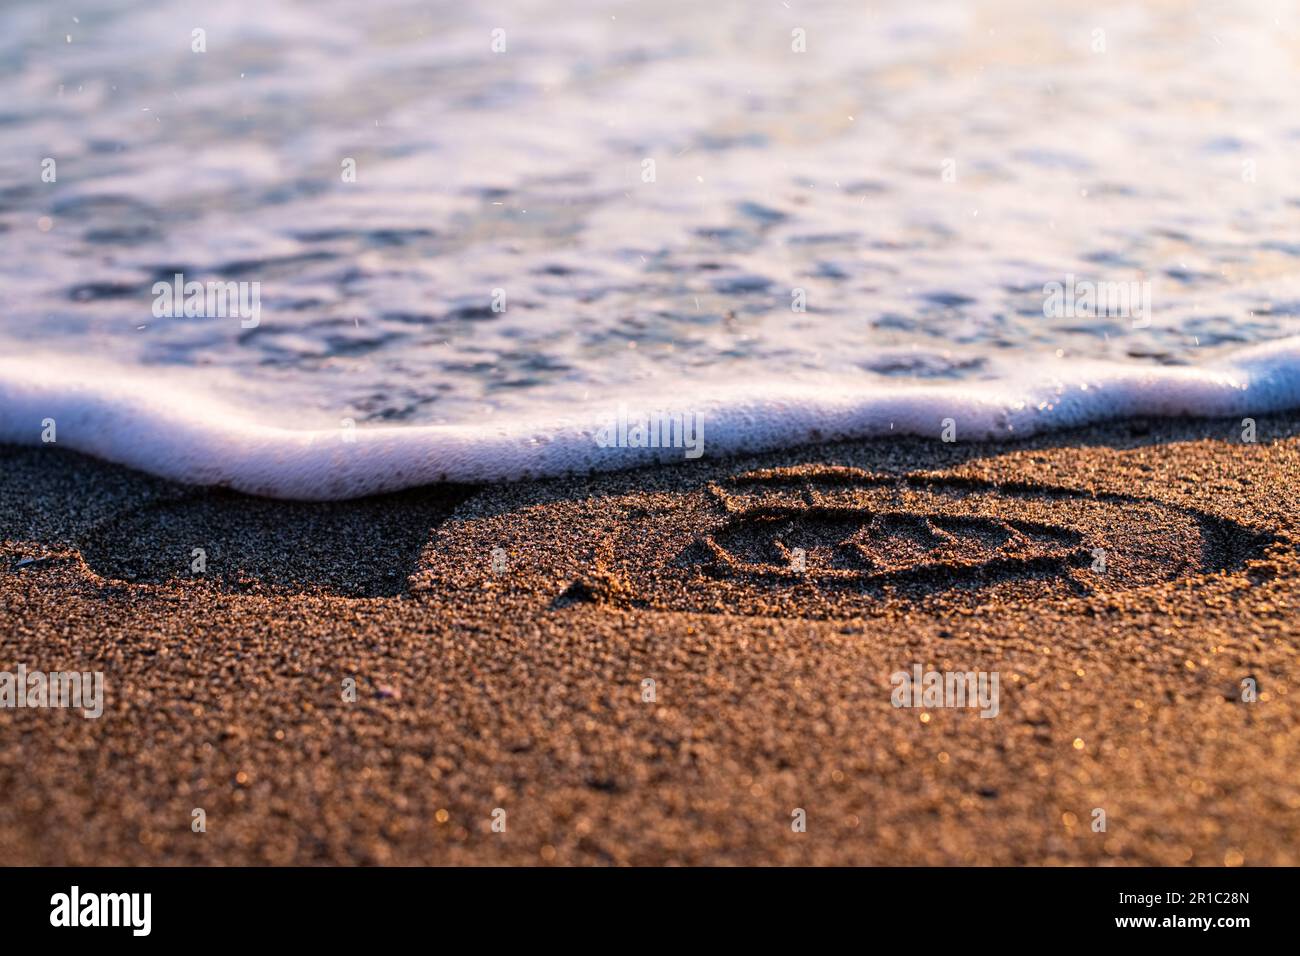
(154, 424)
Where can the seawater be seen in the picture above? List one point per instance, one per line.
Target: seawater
(477, 230)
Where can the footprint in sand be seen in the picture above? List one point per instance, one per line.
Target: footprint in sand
(363, 548)
(843, 542)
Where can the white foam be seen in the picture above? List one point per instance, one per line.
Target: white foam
(153, 424)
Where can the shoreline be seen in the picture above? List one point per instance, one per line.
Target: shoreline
(163, 427)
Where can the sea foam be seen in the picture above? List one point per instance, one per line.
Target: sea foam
(153, 424)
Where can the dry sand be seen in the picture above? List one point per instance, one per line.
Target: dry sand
(522, 689)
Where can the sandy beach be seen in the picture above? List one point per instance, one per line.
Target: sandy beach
(501, 640)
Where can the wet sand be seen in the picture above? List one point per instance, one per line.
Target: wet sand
(768, 598)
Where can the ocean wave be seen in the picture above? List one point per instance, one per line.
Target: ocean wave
(157, 424)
